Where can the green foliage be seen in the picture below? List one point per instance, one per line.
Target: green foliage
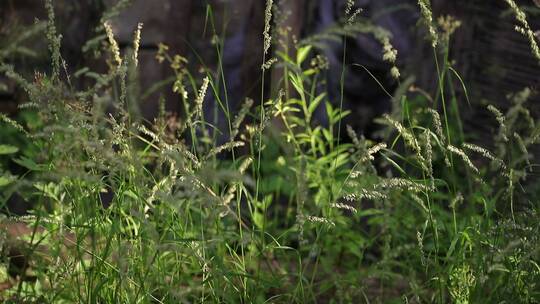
(295, 214)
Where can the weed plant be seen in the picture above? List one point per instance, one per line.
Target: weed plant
(298, 212)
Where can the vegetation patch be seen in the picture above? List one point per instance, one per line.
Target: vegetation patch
(277, 207)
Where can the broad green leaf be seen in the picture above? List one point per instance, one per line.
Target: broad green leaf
(6, 149)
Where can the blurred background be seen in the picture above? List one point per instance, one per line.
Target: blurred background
(490, 64)
(490, 57)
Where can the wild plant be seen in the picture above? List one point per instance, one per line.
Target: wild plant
(133, 211)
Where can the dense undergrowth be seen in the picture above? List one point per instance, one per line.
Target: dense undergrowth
(286, 210)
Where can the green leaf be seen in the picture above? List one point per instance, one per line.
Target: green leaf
(258, 219)
(393, 163)
(131, 194)
(339, 115)
(302, 54)
(30, 164)
(297, 83)
(6, 149)
(452, 247)
(315, 103)
(327, 135)
(81, 72)
(498, 267)
(341, 160)
(329, 110)
(267, 201)
(294, 101)
(322, 146)
(285, 57)
(50, 190)
(6, 180)
(370, 212)
(309, 72)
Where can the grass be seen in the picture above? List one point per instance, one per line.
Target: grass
(295, 212)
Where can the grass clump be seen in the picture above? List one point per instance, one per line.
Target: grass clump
(128, 211)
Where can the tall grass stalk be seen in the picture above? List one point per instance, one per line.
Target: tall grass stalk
(152, 212)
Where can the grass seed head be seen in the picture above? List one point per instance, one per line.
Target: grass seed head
(200, 97)
(427, 15)
(464, 157)
(267, 26)
(344, 207)
(524, 27)
(137, 43)
(499, 116)
(115, 49)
